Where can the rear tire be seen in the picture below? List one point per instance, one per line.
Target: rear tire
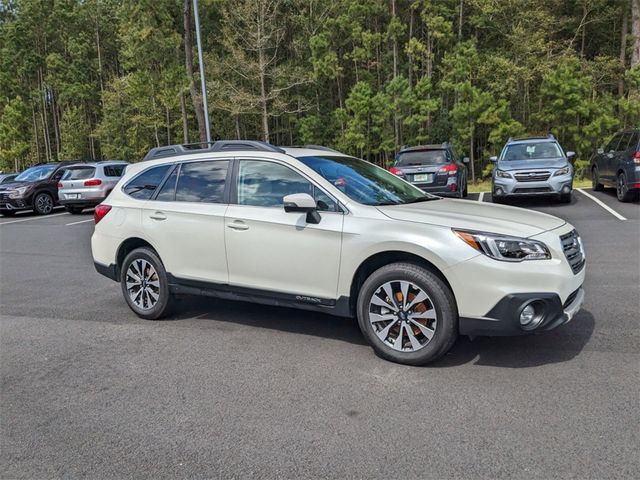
(411, 331)
(144, 284)
(595, 180)
(465, 192)
(622, 189)
(73, 210)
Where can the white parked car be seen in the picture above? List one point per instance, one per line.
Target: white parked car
(312, 228)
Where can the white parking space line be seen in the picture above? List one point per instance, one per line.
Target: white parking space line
(481, 196)
(34, 218)
(81, 221)
(602, 204)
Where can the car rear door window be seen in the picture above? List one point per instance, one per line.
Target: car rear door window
(143, 186)
(202, 181)
(624, 141)
(167, 192)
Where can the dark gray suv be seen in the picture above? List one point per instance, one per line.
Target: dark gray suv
(433, 168)
(618, 165)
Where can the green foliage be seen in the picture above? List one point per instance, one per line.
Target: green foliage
(107, 78)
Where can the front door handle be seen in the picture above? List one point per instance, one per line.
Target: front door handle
(238, 226)
(158, 216)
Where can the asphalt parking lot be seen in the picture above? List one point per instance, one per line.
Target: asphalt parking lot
(226, 389)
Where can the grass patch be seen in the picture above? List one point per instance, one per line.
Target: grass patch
(485, 185)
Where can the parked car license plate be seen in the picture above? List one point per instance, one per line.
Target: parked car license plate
(71, 196)
(423, 177)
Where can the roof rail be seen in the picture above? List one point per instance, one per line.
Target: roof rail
(550, 135)
(203, 147)
(314, 147)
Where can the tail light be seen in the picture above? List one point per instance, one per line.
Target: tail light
(92, 183)
(450, 168)
(636, 157)
(396, 171)
(59, 184)
(100, 212)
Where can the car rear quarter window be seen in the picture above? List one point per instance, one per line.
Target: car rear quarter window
(113, 170)
(612, 146)
(633, 143)
(202, 181)
(143, 185)
(78, 173)
(423, 157)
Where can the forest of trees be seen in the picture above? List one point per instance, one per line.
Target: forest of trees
(94, 79)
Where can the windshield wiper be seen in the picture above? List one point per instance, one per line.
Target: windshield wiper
(422, 199)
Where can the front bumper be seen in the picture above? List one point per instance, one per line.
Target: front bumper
(507, 187)
(15, 204)
(504, 318)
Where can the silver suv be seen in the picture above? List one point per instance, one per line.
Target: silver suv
(85, 185)
(533, 166)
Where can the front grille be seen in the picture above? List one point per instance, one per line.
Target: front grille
(4, 197)
(571, 298)
(538, 176)
(532, 190)
(573, 250)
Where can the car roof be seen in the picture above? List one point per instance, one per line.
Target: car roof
(95, 164)
(517, 141)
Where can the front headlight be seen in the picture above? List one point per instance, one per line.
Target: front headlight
(18, 192)
(503, 174)
(562, 171)
(504, 248)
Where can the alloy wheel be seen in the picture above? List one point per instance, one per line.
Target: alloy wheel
(44, 204)
(402, 316)
(621, 185)
(143, 284)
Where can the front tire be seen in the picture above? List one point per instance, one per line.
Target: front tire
(43, 204)
(144, 284)
(565, 198)
(407, 314)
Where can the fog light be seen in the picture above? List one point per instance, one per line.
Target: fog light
(527, 315)
(499, 191)
(566, 189)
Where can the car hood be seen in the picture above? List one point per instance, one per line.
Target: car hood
(471, 215)
(13, 185)
(533, 164)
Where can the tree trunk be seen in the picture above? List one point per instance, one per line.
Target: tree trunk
(623, 49)
(263, 89)
(166, 109)
(45, 119)
(196, 98)
(410, 72)
(460, 20)
(635, 31)
(35, 133)
(237, 122)
(185, 122)
(472, 157)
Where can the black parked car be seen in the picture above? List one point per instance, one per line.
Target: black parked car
(618, 165)
(36, 188)
(433, 168)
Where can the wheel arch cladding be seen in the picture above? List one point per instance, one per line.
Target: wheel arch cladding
(129, 245)
(380, 259)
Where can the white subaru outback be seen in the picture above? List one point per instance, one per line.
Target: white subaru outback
(312, 228)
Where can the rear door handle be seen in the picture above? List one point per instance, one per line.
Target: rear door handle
(158, 216)
(238, 225)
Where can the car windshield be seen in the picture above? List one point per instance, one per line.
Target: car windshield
(531, 151)
(79, 173)
(422, 157)
(34, 174)
(364, 182)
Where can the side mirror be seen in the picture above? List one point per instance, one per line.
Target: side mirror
(601, 150)
(571, 156)
(493, 159)
(465, 160)
(302, 203)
